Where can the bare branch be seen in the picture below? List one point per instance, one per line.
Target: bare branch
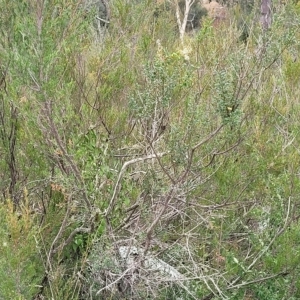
(265, 249)
(257, 280)
(207, 138)
(123, 169)
(60, 233)
(114, 282)
(70, 238)
(54, 132)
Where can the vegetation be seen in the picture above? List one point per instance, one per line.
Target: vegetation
(142, 161)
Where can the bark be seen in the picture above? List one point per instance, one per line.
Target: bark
(266, 14)
(183, 23)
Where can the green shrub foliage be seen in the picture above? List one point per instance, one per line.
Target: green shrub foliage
(139, 162)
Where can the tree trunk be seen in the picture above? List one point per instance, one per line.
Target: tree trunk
(266, 14)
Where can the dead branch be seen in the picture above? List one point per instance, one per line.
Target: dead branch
(59, 234)
(54, 132)
(123, 169)
(70, 238)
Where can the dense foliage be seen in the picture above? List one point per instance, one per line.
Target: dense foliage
(120, 135)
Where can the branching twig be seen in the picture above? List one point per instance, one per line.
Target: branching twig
(60, 233)
(59, 142)
(260, 254)
(114, 282)
(257, 280)
(207, 138)
(123, 169)
(190, 160)
(168, 198)
(70, 238)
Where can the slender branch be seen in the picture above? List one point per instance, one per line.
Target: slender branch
(59, 142)
(123, 169)
(114, 282)
(102, 20)
(60, 232)
(168, 198)
(207, 138)
(260, 254)
(185, 173)
(160, 163)
(257, 280)
(70, 238)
